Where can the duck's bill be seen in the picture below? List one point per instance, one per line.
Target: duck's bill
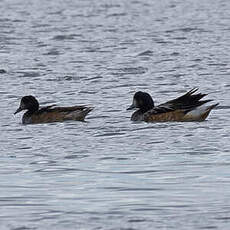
(18, 110)
(131, 107)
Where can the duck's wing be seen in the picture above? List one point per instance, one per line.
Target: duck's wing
(70, 109)
(73, 113)
(54, 114)
(186, 102)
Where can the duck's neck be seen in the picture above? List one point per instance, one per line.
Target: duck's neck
(137, 116)
(26, 119)
(32, 110)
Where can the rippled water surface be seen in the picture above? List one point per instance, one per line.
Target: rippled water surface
(110, 173)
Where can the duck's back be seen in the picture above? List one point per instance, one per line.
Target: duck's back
(56, 114)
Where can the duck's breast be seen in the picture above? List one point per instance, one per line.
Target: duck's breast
(137, 116)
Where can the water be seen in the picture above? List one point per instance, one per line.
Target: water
(110, 173)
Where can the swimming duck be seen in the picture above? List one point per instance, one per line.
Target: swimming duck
(187, 107)
(50, 113)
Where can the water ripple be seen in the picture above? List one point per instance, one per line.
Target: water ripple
(109, 172)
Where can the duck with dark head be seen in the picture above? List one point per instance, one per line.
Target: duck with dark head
(35, 115)
(144, 102)
(188, 107)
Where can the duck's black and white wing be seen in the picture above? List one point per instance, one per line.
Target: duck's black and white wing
(187, 101)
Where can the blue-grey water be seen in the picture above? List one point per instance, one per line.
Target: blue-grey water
(109, 173)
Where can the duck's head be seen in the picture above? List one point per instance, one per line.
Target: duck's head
(143, 101)
(29, 103)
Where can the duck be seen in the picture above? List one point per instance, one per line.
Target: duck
(51, 113)
(188, 107)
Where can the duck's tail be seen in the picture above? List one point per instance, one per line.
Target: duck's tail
(84, 113)
(200, 113)
(207, 111)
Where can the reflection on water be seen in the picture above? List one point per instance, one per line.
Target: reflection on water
(108, 172)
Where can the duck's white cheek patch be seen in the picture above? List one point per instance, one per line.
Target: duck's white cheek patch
(134, 102)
